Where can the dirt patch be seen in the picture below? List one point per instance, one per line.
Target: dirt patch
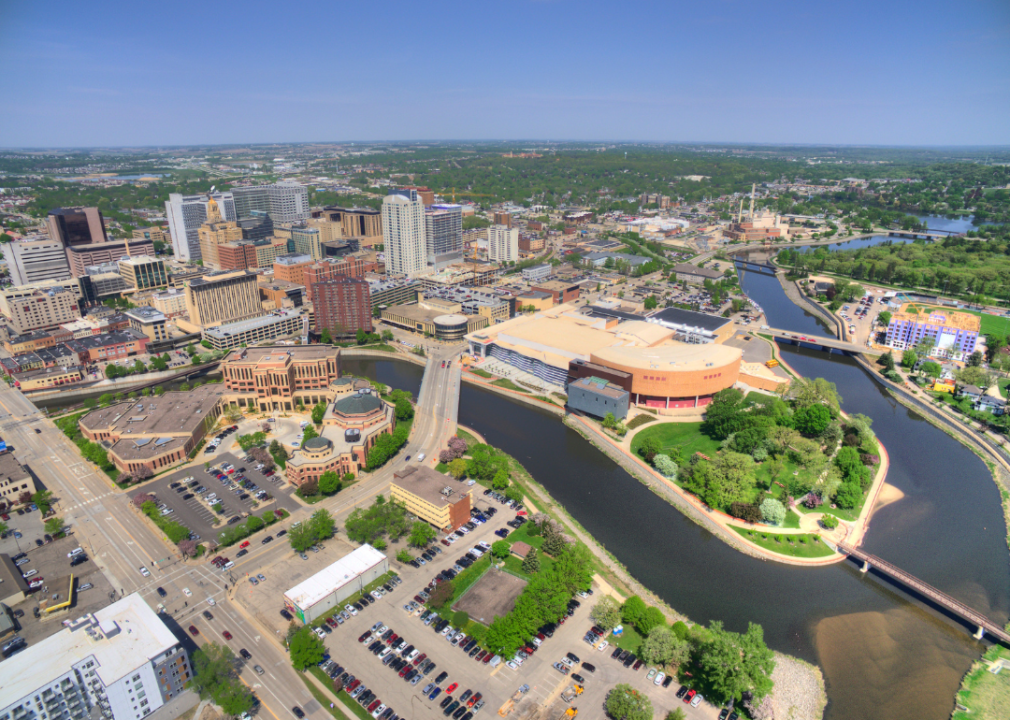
(493, 595)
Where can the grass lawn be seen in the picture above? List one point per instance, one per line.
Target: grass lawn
(628, 640)
(686, 436)
(640, 421)
(1003, 383)
(839, 513)
(324, 701)
(986, 696)
(804, 546)
(442, 468)
(481, 373)
(353, 705)
(470, 439)
(792, 520)
(509, 385)
(381, 346)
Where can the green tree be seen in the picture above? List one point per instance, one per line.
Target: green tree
(665, 465)
(663, 647)
(306, 649)
(932, 369)
(724, 415)
(322, 524)
(650, 448)
(773, 512)
(301, 537)
(818, 391)
(884, 318)
(500, 480)
(652, 618)
(246, 442)
(651, 302)
(501, 549)
(626, 703)
(633, 610)
(43, 499)
(329, 483)
(974, 376)
(676, 714)
(421, 534)
(403, 556)
(457, 468)
(812, 420)
(606, 613)
(531, 563)
(325, 337)
(609, 421)
(830, 522)
(318, 411)
(404, 410)
(975, 359)
(732, 664)
(724, 480)
(887, 361)
(908, 359)
(54, 525)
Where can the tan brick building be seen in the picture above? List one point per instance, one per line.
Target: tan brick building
(273, 378)
(39, 306)
(433, 497)
(223, 297)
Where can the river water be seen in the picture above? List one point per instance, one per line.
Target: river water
(884, 654)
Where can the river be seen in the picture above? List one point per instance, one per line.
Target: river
(885, 655)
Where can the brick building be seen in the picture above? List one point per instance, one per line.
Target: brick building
(342, 305)
(278, 378)
(110, 346)
(429, 495)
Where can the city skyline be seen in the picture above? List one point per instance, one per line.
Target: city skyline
(126, 77)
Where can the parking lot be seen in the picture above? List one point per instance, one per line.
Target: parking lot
(192, 510)
(52, 565)
(28, 524)
(496, 685)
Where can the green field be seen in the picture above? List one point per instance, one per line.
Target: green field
(803, 546)
(640, 421)
(688, 437)
(986, 696)
(509, 385)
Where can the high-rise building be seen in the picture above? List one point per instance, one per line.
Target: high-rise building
(355, 222)
(77, 226)
(330, 268)
(144, 272)
(443, 234)
(214, 232)
(81, 257)
(186, 213)
(503, 218)
(307, 241)
(285, 201)
(403, 232)
(35, 259)
(223, 297)
(42, 305)
(118, 663)
(291, 267)
(258, 226)
(342, 305)
(502, 243)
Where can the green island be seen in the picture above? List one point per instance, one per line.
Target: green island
(763, 459)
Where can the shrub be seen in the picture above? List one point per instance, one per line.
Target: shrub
(665, 465)
(829, 521)
(773, 511)
(745, 511)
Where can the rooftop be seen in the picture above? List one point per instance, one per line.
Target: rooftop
(695, 270)
(308, 592)
(601, 387)
(223, 331)
(92, 342)
(937, 316)
(172, 414)
(121, 637)
(293, 259)
(358, 404)
(428, 485)
(256, 355)
(678, 318)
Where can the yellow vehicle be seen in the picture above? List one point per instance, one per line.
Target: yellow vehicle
(772, 363)
(569, 713)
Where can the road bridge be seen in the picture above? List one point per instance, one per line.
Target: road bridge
(814, 342)
(755, 266)
(937, 597)
(924, 234)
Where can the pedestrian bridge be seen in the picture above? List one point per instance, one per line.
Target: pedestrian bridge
(937, 597)
(755, 266)
(815, 342)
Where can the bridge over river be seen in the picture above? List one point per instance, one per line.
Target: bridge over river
(942, 599)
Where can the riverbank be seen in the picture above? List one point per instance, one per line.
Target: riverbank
(799, 689)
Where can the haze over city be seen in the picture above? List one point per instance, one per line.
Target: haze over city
(864, 72)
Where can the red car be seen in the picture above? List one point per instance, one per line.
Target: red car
(420, 658)
(374, 704)
(404, 670)
(364, 636)
(245, 544)
(474, 699)
(232, 471)
(227, 635)
(690, 695)
(451, 689)
(193, 630)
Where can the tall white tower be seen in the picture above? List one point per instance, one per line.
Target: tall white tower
(502, 243)
(403, 232)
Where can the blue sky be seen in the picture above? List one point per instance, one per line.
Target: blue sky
(892, 72)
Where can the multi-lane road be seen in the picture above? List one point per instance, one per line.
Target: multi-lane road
(121, 541)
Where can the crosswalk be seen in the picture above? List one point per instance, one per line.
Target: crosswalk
(85, 503)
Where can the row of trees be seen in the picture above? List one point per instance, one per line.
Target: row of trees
(383, 519)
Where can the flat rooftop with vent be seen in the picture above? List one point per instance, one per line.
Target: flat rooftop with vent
(155, 432)
(435, 498)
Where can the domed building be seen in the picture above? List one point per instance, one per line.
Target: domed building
(351, 425)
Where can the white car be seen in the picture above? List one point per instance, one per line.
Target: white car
(603, 645)
(350, 609)
(696, 700)
(660, 677)
(210, 601)
(512, 664)
(187, 592)
(144, 571)
(320, 633)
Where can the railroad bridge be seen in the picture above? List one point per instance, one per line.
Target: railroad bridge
(937, 597)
